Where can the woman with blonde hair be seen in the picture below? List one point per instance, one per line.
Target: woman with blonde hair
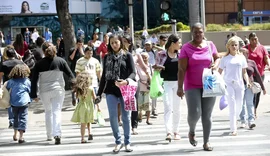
(234, 66)
(49, 73)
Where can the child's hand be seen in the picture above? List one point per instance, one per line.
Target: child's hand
(97, 100)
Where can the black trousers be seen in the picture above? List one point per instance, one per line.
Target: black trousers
(134, 114)
(256, 99)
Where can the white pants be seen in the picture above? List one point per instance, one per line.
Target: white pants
(171, 107)
(235, 95)
(52, 102)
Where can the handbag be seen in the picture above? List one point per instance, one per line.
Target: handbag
(256, 87)
(4, 96)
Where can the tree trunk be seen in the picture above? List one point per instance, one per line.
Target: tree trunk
(67, 28)
(194, 11)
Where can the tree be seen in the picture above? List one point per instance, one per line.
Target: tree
(240, 11)
(67, 28)
(193, 9)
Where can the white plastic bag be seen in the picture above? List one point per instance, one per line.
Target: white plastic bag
(256, 87)
(4, 96)
(213, 83)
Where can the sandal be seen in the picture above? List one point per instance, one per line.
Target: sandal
(233, 134)
(14, 138)
(83, 141)
(168, 137)
(207, 147)
(177, 136)
(90, 137)
(192, 140)
(21, 141)
(117, 148)
(149, 123)
(134, 131)
(128, 149)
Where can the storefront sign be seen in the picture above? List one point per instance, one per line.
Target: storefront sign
(27, 7)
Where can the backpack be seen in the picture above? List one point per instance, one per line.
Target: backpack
(29, 59)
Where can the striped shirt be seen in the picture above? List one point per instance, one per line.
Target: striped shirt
(92, 66)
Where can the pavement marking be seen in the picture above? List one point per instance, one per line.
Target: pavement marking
(65, 142)
(146, 148)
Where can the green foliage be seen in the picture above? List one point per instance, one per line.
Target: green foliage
(180, 26)
(265, 26)
(164, 28)
(215, 27)
(236, 27)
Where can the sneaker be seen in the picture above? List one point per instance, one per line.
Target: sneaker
(243, 125)
(252, 125)
(57, 140)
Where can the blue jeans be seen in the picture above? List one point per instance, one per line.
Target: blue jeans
(248, 101)
(10, 115)
(20, 117)
(112, 102)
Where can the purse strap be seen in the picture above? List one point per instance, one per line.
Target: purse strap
(210, 52)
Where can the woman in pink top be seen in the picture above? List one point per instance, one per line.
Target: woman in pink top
(194, 57)
(259, 54)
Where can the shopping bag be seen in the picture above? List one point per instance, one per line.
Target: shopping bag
(223, 103)
(156, 86)
(213, 83)
(100, 119)
(128, 93)
(4, 96)
(256, 87)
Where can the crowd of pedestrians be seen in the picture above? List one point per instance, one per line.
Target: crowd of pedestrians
(102, 68)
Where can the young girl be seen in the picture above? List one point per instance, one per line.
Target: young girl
(19, 87)
(144, 96)
(234, 65)
(84, 112)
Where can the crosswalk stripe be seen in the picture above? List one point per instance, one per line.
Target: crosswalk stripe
(93, 143)
(151, 138)
(104, 135)
(100, 131)
(141, 148)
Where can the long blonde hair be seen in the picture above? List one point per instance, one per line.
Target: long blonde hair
(82, 83)
(230, 42)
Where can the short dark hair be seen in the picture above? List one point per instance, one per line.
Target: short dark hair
(11, 52)
(161, 37)
(39, 41)
(79, 40)
(89, 49)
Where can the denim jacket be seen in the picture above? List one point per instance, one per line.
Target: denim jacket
(20, 89)
(162, 57)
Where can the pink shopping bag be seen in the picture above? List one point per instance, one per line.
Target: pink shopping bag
(128, 94)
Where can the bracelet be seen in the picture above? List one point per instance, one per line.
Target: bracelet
(127, 81)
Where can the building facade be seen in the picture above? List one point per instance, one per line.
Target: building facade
(112, 13)
(226, 11)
